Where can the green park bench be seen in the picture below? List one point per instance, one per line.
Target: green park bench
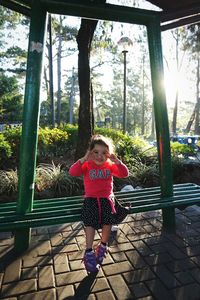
(47, 212)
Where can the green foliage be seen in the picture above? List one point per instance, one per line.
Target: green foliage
(181, 149)
(52, 142)
(10, 99)
(12, 136)
(72, 132)
(5, 148)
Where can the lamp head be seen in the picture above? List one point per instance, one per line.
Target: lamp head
(125, 43)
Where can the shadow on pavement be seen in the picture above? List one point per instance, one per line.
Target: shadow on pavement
(84, 289)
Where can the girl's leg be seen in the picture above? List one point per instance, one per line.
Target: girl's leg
(106, 230)
(89, 256)
(102, 248)
(90, 233)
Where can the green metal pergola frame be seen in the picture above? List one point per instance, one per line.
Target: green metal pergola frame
(92, 10)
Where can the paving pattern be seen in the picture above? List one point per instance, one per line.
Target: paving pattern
(144, 262)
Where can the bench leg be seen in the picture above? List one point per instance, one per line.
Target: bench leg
(169, 220)
(22, 240)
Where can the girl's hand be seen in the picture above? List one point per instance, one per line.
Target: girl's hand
(86, 157)
(114, 159)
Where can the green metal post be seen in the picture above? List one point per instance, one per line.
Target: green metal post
(30, 120)
(161, 119)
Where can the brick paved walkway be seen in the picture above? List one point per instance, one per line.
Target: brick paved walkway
(143, 262)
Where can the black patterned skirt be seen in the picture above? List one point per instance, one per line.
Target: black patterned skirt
(97, 212)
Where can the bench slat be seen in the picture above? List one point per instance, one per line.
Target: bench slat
(31, 223)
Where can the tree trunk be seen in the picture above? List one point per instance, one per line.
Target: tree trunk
(59, 92)
(143, 97)
(152, 135)
(46, 82)
(175, 112)
(190, 122)
(85, 122)
(92, 105)
(50, 56)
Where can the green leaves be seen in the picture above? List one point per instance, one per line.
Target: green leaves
(52, 142)
(5, 148)
(10, 99)
(181, 149)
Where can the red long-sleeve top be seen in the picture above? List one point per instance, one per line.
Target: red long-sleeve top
(98, 179)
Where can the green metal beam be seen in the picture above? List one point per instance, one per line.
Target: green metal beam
(161, 118)
(16, 7)
(100, 11)
(30, 119)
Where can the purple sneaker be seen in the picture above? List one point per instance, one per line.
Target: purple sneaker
(101, 252)
(90, 262)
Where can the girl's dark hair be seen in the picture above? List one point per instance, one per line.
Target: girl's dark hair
(101, 140)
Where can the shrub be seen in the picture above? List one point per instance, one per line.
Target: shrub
(51, 142)
(5, 149)
(52, 177)
(72, 132)
(8, 182)
(142, 174)
(178, 149)
(12, 136)
(148, 176)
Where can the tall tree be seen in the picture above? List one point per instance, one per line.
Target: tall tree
(85, 121)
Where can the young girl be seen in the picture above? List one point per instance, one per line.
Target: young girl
(98, 167)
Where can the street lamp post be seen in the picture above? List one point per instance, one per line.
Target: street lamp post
(125, 43)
